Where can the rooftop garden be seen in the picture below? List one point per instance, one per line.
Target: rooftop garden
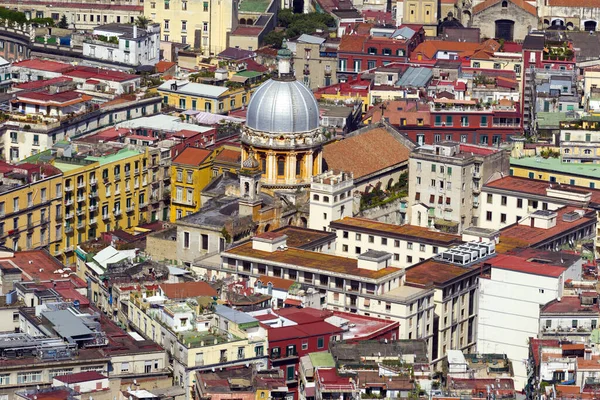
(378, 197)
(560, 51)
(17, 17)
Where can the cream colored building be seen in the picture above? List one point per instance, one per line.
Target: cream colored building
(203, 24)
(580, 141)
(419, 12)
(80, 14)
(408, 244)
(199, 338)
(369, 285)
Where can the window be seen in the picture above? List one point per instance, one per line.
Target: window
(422, 247)
(503, 200)
(371, 239)
(384, 241)
(29, 377)
(519, 203)
(476, 64)
(4, 379)
(484, 120)
(186, 240)
(409, 245)
(396, 243)
(289, 373)
(358, 237)
(345, 234)
(320, 342)
(345, 248)
(166, 24)
(167, 4)
(488, 216)
(205, 27)
(184, 25)
(205, 6)
(409, 259)
(574, 323)
(489, 198)
(357, 250)
(204, 241)
(432, 167)
(503, 218)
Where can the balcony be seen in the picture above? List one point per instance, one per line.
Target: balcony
(68, 202)
(69, 249)
(105, 216)
(69, 215)
(58, 216)
(93, 181)
(130, 209)
(93, 221)
(93, 195)
(30, 225)
(223, 359)
(144, 204)
(117, 177)
(81, 224)
(117, 213)
(81, 185)
(80, 212)
(80, 199)
(93, 208)
(69, 229)
(136, 185)
(136, 171)
(68, 188)
(13, 232)
(127, 173)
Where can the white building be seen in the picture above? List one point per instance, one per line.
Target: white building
(408, 244)
(444, 192)
(573, 317)
(331, 198)
(125, 44)
(510, 300)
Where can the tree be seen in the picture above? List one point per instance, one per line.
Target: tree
(63, 22)
(142, 22)
(274, 38)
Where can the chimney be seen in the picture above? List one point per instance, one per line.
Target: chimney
(135, 31)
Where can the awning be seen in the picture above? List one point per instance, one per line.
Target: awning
(293, 302)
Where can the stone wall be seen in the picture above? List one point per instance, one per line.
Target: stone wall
(486, 20)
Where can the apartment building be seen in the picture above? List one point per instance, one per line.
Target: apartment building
(510, 298)
(367, 285)
(81, 14)
(446, 189)
(191, 171)
(316, 60)
(454, 275)
(125, 44)
(187, 95)
(331, 198)
(198, 339)
(408, 244)
(105, 188)
(580, 141)
(204, 25)
(30, 196)
(573, 316)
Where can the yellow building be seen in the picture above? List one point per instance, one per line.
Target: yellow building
(228, 159)
(499, 61)
(421, 12)
(554, 170)
(187, 95)
(30, 207)
(102, 194)
(191, 171)
(203, 24)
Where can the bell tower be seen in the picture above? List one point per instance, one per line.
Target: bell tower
(250, 175)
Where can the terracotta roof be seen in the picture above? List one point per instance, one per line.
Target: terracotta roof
(366, 153)
(407, 232)
(520, 264)
(188, 289)
(304, 237)
(230, 156)
(540, 188)
(434, 273)
(569, 305)
(163, 66)
(43, 65)
(192, 156)
(397, 110)
(80, 377)
(277, 283)
(247, 30)
(519, 3)
(429, 48)
(574, 3)
(311, 260)
(352, 43)
(529, 236)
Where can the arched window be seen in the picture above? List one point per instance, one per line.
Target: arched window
(270, 288)
(567, 151)
(587, 151)
(504, 4)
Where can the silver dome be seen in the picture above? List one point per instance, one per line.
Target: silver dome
(283, 106)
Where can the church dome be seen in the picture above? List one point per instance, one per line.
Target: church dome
(283, 106)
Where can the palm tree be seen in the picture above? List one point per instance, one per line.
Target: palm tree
(142, 22)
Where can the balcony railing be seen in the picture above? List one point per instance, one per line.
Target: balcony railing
(69, 215)
(80, 184)
(93, 194)
(68, 188)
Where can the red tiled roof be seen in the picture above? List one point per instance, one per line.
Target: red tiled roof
(287, 333)
(163, 66)
(431, 273)
(366, 153)
(242, 30)
(292, 302)
(352, 43)
(519, 264)
(278, 283)
(569, 304)
(252, 65)
(479, 150)
(188, 289)
(230, 156)
(302, 316)
(536, 344)
(519, 3)
(44, 65)
(192, 156)
(33, 85)
(80, 377)
(36, 264)
(528, 236)
(100, 74)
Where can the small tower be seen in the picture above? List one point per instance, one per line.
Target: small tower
(331, 198)
(284, 58)
(250, 174)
